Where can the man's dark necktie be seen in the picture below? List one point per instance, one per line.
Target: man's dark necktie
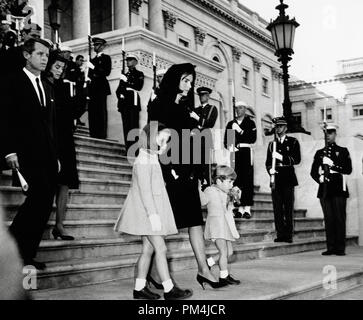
(40, 92)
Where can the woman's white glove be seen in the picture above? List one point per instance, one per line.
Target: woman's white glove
(155, 222)
(321, 178)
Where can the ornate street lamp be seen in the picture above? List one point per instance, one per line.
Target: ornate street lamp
(283, 35)
(55, 15)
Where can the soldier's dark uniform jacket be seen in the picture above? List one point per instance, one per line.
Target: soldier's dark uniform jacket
(208, 116)
(290, 151)
(342, 165)
(126, 97)
(249, 134)
(243, 158)
(99, 82)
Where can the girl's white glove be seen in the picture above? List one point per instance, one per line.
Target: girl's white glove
(155, 222)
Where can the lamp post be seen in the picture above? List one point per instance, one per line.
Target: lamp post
(283, 35)
(55, 15)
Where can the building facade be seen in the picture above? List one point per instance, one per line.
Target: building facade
(341, 96)
(229, 44)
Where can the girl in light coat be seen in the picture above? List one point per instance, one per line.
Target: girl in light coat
(147, 212)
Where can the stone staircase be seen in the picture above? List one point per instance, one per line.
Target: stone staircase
(99, 254)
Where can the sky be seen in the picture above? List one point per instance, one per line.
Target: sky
(330, 30)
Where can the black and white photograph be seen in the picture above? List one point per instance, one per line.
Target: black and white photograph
(200, 151)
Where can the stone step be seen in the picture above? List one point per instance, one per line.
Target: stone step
(81, 140)
(103, 174)
(94, 155)
(268, 223)
(96, 270)
(95, 185)
(77, 212)
(98, 146)
(13, 195)
(86, 185)
(106, 211)
(103, 228)
(57, 250)
(108, 165)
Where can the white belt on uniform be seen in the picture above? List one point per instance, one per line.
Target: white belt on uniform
(247, 145)
(344, 179)
(135, 95)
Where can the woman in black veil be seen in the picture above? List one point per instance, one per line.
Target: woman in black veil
(174, 107)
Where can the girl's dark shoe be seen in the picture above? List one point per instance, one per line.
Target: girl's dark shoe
(145, 294)
(56, 234)
(151, 280)
(229, 280)
(215, 285)
(177, 294)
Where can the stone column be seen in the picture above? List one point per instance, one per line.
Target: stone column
(155, 17)
(121, 14)
(81, 18)
(236, 56)
(38, 16)
(257, 97)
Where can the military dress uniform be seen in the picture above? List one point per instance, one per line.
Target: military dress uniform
(333, 194)
(208, 115)
(242, 158)
(129, 103)
(99, 89)
(285, 181)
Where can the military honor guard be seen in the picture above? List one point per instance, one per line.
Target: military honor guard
(99, 89)
(329, 168)
(129, 103)
(204, 118)
(242, 155)
(282, 155)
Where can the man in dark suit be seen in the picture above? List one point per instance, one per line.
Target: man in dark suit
(29, 146)
(129, 103)
(287, 155)
(204, 118)
(333, 191)
(245, 134)
(99, 89)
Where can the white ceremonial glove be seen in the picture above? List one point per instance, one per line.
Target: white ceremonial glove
(328, 161)
(321, 178)
(272, 171)
(237, 128)
(155, 222)
(194, 116)
(90, 65)
(277, 156)
(232, 148)
(123, 78)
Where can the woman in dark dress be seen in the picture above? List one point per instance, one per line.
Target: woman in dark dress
(174, 107)
(68, 175)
